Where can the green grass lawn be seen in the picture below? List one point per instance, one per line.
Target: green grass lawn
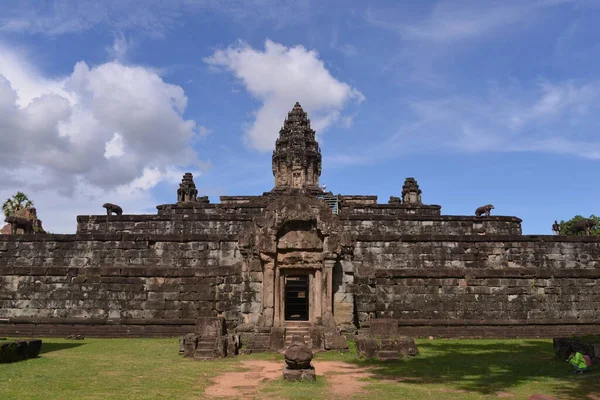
(151, 369)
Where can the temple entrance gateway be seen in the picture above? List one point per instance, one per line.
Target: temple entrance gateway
(296, 298)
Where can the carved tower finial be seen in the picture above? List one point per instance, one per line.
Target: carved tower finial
(411, 194)
(187, 191)
(297, 157)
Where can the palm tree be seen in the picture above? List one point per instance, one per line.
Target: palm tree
(17, 202)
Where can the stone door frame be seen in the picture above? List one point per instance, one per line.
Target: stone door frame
(259, 242)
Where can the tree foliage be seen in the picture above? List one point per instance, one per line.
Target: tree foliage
(17, 202)
(566, 227)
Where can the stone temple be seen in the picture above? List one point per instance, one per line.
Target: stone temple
(299, 258)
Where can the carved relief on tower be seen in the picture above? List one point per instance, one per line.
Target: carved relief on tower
(297, 180)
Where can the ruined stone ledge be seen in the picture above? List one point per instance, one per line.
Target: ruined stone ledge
(497, 322)
(421, 217)
(394, 206)
(239, 200)
(258, 202)
(104, 219)
(477, 273)
(118, 237)
(358, 200)
(100, 321)
(123, 271)
(477, 238)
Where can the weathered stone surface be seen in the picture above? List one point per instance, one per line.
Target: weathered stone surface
(303, 375)
(298, 355)
(316, 334)
(188, 344)
(334, 341)
(24, 221)
(386, 349)
(277, 338)
(210, 326)
(384, 327)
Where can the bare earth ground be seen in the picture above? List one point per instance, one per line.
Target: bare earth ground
(344, 379)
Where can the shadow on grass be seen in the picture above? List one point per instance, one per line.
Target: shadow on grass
(48, 347)
(488, 368)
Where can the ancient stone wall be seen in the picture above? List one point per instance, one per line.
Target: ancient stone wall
(361, 224)
(187, 218)
(117, 285)
(186, 262)
(480, 285)
(163, 225)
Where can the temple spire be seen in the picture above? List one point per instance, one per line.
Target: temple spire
(297, 157)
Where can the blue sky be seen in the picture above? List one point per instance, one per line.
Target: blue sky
(480, 101)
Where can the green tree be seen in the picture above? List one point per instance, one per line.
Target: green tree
(566, 227)
(17, 202)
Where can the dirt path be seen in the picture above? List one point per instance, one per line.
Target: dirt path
(343, 379)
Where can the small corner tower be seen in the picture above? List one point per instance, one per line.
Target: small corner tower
(297, 157)
(411, 194)
(187, 191)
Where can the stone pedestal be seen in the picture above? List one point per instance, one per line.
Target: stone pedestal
(297, 358)
(307, 374)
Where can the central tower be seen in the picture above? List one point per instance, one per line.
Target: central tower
(297, 157)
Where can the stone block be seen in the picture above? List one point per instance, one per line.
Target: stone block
(277, 338)
(316, 336)
(371, 347)
(334, 341)
(384, 327)
(302, 375)
(343, 313)
(210, 326)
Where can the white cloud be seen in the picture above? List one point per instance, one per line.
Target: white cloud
(451, 21)
(437, 33)
(279, 76)
(112, 128)
(557, 118)
(58, 212)
(114, 147)
(202, 130)
(552, 118)
(120, 47)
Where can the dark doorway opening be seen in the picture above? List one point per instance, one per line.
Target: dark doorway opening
(296, 298)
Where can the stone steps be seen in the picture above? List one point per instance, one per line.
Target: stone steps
(297, 328)
(205, 348)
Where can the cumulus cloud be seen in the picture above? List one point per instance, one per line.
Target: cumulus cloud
(111, 128)
(279, 76)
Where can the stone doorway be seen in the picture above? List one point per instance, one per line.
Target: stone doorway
(296, 298)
